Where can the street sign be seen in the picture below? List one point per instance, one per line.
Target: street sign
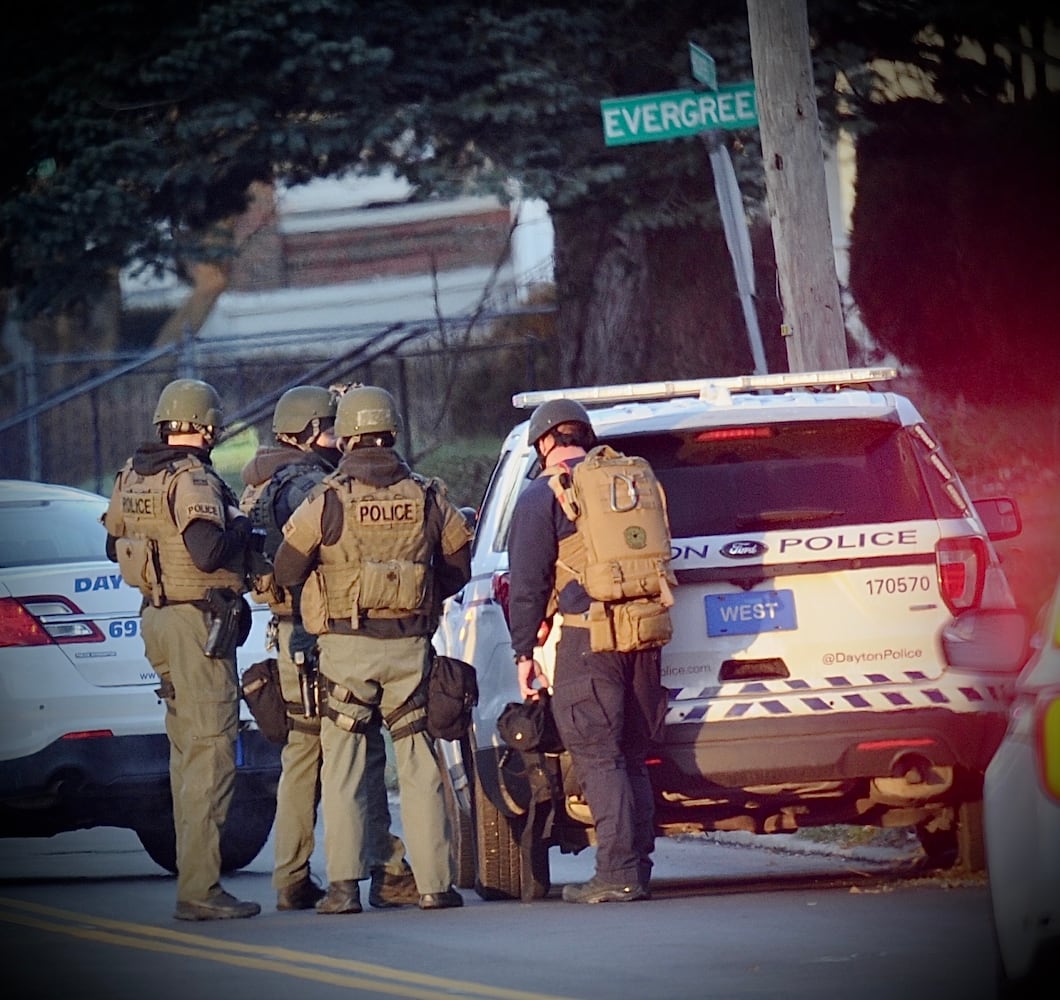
(703, 67)
(675, 113)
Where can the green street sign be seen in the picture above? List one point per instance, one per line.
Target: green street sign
(674, 113)
(704, 69)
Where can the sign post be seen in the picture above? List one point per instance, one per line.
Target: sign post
(676, 113)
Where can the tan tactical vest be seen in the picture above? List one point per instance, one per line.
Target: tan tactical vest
(381, 565)
(258, 503)
(151, 552)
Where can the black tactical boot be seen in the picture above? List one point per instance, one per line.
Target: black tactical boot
(342, 897)
(441, 900)
(220, 906)
(389, 890)
(302, 895)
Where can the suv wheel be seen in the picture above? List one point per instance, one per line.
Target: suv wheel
(498, 861)
(245, 834)
(960, 847)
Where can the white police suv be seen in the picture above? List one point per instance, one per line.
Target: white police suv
(844, 638)
(82, 732)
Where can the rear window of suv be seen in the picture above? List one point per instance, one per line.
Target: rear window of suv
(727, 480)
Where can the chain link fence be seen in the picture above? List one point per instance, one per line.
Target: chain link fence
(75, 419)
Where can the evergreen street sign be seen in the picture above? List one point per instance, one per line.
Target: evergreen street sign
(675, 113)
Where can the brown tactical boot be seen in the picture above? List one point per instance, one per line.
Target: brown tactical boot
(301, 895)
(343, 896)
(389, 890)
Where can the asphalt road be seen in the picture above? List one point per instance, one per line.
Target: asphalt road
(89, 915)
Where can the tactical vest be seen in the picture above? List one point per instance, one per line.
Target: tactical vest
(259, 504)
(151, 552)
(620, 551)
(381, 565)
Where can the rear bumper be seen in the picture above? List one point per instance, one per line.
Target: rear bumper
(842, 746)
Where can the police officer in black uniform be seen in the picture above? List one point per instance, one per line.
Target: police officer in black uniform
(607, 705)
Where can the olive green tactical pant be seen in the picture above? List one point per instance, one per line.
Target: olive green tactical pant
(384, 672)
(202, 719)
(298, 794)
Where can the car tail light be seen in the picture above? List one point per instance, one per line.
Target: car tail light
(1047, 740)
(38, 621)
(735, 434)
(501, 588)
(961, 564)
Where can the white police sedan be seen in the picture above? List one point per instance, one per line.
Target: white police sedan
(1021, 812)
(82, 732)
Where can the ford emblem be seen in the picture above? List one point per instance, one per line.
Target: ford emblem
(746, 548)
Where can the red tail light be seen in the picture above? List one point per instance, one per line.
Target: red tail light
(501, 592)
(961, 566)
(28, 621)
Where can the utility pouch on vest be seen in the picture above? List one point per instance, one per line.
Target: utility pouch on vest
(639, 625)
(601, 630)
(138, 563)
(313, 605)
(397, 587)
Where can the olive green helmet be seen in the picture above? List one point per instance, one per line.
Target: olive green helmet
(553, 413)
(297, 408)
(366, 409)
(189, 404)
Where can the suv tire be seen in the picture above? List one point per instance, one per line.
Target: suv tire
(245, 834)
(498, 861)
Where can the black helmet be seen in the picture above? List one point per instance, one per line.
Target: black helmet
(552, 414)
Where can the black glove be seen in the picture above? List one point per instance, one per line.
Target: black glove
(301, 641)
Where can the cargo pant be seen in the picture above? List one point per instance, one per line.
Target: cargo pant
(202, 722)
(298, 794)
(385, 672)
(608, 708)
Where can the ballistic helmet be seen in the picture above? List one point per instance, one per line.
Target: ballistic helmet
(297, 408)
(189, 404)
(366, 409)
(553, 413)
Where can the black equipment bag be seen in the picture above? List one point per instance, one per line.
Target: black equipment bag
(529, 725)
(452, 692)
(262, 693)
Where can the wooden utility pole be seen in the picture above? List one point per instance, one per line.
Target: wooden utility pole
(795, 186)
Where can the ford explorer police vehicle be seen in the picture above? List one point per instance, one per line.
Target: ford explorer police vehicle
(823, 546)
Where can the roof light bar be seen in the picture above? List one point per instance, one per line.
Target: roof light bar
(706, 388)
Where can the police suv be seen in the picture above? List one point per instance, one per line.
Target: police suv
(844, 638)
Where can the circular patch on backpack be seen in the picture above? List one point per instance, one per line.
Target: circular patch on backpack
(636, 537)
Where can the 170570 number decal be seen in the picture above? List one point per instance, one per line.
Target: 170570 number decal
(899, 585)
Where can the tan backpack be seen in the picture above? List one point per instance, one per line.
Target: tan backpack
(621, 551)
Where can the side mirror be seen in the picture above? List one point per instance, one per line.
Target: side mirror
(1000, 516)
(993, 640)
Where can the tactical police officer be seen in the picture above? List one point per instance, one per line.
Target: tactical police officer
(607, 705)
(176, 532)
(278, 478)
(378, 548)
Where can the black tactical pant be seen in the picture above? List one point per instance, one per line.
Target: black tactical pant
(608, 708)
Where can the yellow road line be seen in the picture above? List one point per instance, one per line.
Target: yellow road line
(286, 961)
